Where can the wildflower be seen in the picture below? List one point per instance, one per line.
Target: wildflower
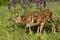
(40, 1)
(27, 2)
(9, 5)
(37, 3)
(33, 1)
(14, 2)
(22, 3)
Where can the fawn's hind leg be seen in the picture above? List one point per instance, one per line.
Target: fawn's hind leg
(53, 27)
(38, 30)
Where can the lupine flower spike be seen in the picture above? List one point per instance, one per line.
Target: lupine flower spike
(22, 3)
(37, 3)
(14, 2)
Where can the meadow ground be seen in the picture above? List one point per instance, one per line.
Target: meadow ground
(11, 31)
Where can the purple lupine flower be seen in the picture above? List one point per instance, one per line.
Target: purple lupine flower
(33, 1)
(37, 3)
(40, 1)
(9, 4)
(27, 2)
(22, 3)
(14, 2)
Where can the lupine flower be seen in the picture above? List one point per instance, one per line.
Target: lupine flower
(37, 3)
(33, 1)
(40, 4)
(9, 4)
(27, 2)
(44, 5)
(22, 3)
(40, 1)
(14, 2)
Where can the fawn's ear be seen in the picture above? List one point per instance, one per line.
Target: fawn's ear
(16, 13)
(19, 14)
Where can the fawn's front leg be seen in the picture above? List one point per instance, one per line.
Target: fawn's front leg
(30, 32)
(41, 26)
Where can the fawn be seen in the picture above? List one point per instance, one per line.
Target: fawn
(33, 18)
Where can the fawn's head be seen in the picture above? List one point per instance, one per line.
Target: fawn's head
(17, 18)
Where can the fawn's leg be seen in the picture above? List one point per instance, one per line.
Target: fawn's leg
(41, 26)
(38, 30)
(29, 26)
(53, 27)
(30, 32)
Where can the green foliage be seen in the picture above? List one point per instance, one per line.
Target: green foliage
(3, 2)
(11, 31)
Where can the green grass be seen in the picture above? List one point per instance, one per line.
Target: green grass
(11, 31)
